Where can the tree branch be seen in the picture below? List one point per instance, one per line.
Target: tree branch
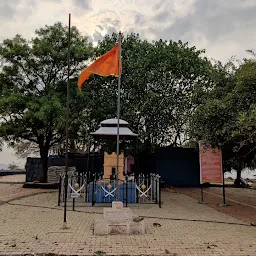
(250, 151)
(29, 139)
(56, 141)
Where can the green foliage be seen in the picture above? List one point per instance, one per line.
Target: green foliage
(13, 167)
(227, 116)
(33, 82)
(160, 86)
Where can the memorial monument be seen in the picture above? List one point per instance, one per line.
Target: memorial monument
(116, 220)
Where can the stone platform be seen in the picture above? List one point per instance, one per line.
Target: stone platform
(119, 220)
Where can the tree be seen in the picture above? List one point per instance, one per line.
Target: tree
(158, 85)
(226, 118)
(13, 166)
(33, 81)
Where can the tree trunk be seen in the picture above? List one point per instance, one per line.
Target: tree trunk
(44, 164)
(238, 177)
(238, 173)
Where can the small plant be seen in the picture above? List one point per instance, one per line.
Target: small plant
(13, 166)
(99, 253)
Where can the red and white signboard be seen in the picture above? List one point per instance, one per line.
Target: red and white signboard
(210, 164)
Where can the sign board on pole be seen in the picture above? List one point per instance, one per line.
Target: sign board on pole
(210, 164)
(75, 195)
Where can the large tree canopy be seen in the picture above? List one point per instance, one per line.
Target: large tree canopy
(159, 84)
(227, 118)
(33, 81)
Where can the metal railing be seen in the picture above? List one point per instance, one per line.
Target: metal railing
(97, 190)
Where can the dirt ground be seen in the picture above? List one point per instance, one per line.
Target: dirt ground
(18, 178)
(11, 188)
(241, 201)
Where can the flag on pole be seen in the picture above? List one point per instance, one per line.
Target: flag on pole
(106, 65)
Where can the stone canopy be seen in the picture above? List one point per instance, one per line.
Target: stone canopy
(108, 130)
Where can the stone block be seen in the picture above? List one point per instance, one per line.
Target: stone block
(118, 221)
(137, 228)
(119, 228)
(101, 227)
(117, 205)
(115, 215)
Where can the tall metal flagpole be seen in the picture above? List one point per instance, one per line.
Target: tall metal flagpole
(118, 114)
(67, 126)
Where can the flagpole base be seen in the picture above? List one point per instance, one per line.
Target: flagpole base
(64, 225)
(224, 205)
(201, 202)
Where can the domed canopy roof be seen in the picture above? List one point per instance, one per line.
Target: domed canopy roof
(114, 121)
(108, 130)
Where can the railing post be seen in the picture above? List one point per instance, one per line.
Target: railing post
(69, 179)
(137, 183)
(126, 191)
(156, 190)
(159, 187)
(60, 185)
(86, 188)
(62, 190)
(93, 183)
(73, 208)
(152, 188)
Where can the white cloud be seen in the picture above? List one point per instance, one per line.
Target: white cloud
(223, 28)
(214, 25)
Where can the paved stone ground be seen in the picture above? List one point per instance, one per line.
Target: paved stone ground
(34, 225)
(13, 178)
(10, 190)
(242, 201)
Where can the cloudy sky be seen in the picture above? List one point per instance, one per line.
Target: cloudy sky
(225, 28)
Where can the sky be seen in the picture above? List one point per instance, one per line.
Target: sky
(224, 28)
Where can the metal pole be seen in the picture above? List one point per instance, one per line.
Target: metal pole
(136, 156)
(160, 199)
(126, 190)
(60, 184)
(73, 204)
(202, 194)
(93, 189)
(67, 126)
(118, 114)
(156, 190)
(86, 188)
(88, 155)
(223, 189)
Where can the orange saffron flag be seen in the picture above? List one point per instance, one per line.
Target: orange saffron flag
(106, 65)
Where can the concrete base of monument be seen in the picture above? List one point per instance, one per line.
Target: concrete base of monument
(119, 220)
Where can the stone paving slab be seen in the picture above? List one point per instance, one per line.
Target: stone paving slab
(242, 201)
(19, 178)
(244, 196)
(34, 225)
(10, 192)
